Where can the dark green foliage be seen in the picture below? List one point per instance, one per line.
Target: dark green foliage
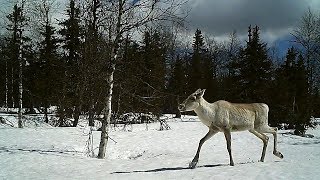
(201, 69)
(150, 77)
(71, 33)
(15, 40)
(140, 75)
(292, 103)
(196, 74)
(316, 103)
(177, 85)
(153, 72)
(3, 72)
(128, 83)
(251, 72)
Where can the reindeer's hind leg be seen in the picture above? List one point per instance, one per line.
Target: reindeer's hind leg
(273, 131)
(227, 134)
(264, 139)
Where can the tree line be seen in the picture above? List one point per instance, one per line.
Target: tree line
(71, 64)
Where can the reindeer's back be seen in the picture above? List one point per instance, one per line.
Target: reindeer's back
(258, 111)
(245, 116)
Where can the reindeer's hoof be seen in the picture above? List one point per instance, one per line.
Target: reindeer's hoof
(192, 165)
(231, 164)
(278, 154)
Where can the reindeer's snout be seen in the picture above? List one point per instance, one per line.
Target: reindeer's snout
(181, 107)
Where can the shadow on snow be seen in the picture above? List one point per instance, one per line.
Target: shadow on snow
(55, 152)
(174, 168)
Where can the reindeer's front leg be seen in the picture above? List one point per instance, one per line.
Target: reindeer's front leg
(196, 157)
(227, 134)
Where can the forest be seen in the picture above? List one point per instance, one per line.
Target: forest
(114, 57)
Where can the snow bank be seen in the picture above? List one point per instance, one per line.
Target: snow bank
(28, 121)
(59, 153)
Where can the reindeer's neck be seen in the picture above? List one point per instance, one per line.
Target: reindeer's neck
(204, 110)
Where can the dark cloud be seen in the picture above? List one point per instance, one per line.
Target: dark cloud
(275, 17)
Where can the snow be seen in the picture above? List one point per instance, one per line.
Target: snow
(44, 152)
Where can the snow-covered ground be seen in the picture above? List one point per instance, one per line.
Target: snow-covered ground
(44, 152)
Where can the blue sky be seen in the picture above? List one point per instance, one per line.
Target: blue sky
(276, 18)
(218, 18)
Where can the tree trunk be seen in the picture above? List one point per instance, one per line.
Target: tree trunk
(20, 83)
(76, 115)
(108, 110)
(6, 103)
(20, 97)
(62, 116)
(178, 113)
(91, 113)
(106, 119)
(46, 113)
(12, 92)
(79, 102)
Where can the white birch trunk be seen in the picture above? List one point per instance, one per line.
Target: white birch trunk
(20, 83)
(7, 86)
(107, 117)
(110, 80)
(20, 96)
(12, 84)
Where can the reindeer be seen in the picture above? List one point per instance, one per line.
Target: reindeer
(226, 117)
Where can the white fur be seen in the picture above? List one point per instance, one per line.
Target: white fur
(223, 116)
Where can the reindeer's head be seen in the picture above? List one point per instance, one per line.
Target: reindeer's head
(192, 102)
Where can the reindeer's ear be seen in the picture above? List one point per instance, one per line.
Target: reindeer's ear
(200, 93)
(197, 91)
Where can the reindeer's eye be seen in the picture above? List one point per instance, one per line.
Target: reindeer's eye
(193, 98)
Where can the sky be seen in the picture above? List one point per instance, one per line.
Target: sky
(276, 18)
(218, 18)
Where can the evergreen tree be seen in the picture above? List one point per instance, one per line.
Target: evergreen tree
(316, 103)
(202, 70)
(128, 83)
(229, 79)
(292, 104)
(15, 52)
(301, 104)
(153, 72)
(252, 70)
(177, 85)
(48, 68)
(16, 44)
(71, 33)
(95, 55)
(196, 76)
(3, 71)
(282, 101)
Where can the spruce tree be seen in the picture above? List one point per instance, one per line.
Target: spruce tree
(3, 78)
(292, 104)
(129, 83)
(49, 68)
(302, 105)
(284, 84)
(15, 52)
(153, 71)
(196, 76)
(177, 85)
(71, 33)
(252, 70)
(16, 41)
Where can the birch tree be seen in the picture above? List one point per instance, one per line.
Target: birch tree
(16, 27)
(129, 15)
(307, 35)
